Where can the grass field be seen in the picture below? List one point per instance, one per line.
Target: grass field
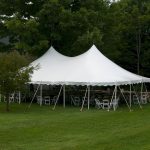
(41, 128)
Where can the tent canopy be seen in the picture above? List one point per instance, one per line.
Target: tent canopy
(89, 68)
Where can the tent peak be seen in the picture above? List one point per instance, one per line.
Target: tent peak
(95, 49)
(93, 46)
(90, 68)
(52, 48)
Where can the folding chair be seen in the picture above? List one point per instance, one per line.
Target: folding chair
(135, 99)
(114, 103)
(75, 100)
(106, 104)
(98, 104)
(47, 100)
(39, 98)
(85, 101)
(53, 100)
(11, 97)
(143, 99)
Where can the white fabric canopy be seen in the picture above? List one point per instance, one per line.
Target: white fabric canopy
(89, 68)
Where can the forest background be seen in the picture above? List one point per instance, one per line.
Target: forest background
(120, 30)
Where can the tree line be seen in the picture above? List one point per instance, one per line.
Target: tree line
(121, 29)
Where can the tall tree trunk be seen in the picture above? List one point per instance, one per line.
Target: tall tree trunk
(138, 47)
(139, 37)
(139, 41)
(7, 102)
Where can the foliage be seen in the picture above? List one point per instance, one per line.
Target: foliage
(120, 29)
(12, 77)
(131, 19)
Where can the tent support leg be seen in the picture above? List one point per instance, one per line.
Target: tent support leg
(115, 96)
(41, 94)
(33, 98)
(19, 97)
(88, 97)
(0, 94)
(146, 90)
(137, 97)
(130, 96)
(64, 97)
(57, 97)
(112, 98)
(84, 99)
(124, 98)
(141, 91)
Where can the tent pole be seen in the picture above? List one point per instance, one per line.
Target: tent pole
(137, 97)
(41, 95)
(141, 91)
(130, 96)
(64, 97)
(19, 95)
(145, 88)
(88, 97)
(0, 94)
(57, 97)
(125, 99)
(84, 99)
(112, 98)
(33, 98)
(146, 91)
(115, 96)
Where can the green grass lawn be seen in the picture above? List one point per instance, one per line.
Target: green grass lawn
(41, 128)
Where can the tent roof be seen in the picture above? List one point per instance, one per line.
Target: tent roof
(89, 68)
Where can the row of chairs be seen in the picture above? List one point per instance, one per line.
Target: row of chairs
(106, 104)
(47, 100)
(13, 97)
(143, 99)
(77, 101)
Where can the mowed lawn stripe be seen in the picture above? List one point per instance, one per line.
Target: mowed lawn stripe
(42, 128)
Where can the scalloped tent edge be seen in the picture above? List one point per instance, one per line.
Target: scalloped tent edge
(90, 68)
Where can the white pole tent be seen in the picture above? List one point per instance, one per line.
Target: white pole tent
(91, 68)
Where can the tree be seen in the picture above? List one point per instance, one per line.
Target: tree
(128, 33)
(13, 73)
(19, 22)
(120, 29)
(82, 27)
(25, 36)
